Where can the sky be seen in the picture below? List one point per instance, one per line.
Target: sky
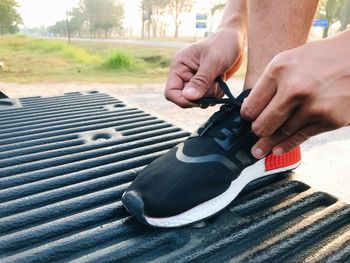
(36, 13)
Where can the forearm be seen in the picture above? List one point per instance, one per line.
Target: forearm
(235, 15)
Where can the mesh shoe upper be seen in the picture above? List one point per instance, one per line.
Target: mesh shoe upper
(169, 186)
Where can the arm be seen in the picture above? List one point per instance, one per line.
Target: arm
(308, 93)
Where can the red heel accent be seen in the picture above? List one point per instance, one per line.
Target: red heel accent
(273, 162)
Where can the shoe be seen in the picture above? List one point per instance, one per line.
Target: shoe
(202, 175)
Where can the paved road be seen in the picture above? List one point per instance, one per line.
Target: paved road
(151, 43)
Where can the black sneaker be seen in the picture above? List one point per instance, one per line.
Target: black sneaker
(201, 176)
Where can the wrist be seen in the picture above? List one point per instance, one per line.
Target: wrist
(236, 22)
(234, 34)
(234, 19)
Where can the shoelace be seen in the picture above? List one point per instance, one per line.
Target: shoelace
(229, 101)
(230, 104)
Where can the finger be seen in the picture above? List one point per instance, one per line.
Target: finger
(199, 84)
(274, 115)
(232, 70)
(178, 75)
(176, 97)
(177, 79)
(265, 145)
(213, 91)
(298, 138)
(220, 94)
(173, 91)
(260, 96)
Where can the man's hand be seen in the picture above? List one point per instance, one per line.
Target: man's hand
(302, 92)
(194, 69)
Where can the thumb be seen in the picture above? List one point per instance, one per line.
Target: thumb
(199, 84)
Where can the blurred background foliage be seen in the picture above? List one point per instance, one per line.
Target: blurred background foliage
(27, 58)
(99, 18)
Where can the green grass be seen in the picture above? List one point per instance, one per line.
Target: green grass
(121, 59)
(62, 49)
(35, 60)
(40, 60)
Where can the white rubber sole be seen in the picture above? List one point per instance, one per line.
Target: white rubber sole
(218, 203)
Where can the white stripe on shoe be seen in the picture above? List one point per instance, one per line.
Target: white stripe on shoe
(218, 203)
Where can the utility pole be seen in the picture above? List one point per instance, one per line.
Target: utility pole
(143, 19)
(68, 27)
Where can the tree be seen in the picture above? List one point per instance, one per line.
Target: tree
(345, 16)
(146, 9)
(89, 7)
(177, 7)
(158, 10)
(109, 15)
(103, 15)
(9, 17)
(59, 28)
(78, 18)
(330, 10)
(152, 12)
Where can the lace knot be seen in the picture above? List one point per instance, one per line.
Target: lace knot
(230, 102)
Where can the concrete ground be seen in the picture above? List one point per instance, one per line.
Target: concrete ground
(326, 158)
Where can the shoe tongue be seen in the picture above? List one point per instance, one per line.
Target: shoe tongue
(225, 118)
(224, 123)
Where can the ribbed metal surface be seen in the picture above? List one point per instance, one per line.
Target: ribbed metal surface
(65, 162)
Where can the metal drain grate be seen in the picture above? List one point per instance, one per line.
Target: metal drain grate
(65, 162)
